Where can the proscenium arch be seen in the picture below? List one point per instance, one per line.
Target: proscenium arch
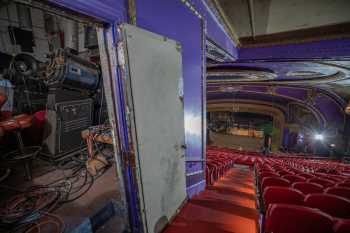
(259, 107)
(319, 115)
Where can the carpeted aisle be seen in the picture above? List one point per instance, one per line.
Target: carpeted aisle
(228, 206)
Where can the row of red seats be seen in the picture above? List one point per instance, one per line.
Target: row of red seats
(218, 163)
(219, 160)
(300, 195)
(300, 202)
(286, 218)
(322, 166)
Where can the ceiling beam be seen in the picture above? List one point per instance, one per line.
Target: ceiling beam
(337, 31)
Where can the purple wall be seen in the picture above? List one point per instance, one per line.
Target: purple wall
(297, 93)
(332, 113)
(188, 30)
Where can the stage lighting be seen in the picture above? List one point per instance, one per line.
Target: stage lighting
(319, 137)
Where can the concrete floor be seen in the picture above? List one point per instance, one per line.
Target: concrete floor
(104, 189)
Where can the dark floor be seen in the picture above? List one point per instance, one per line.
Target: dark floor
(103, 190)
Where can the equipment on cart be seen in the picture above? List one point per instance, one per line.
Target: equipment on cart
(96, 134)
(65, 119)
(71, 81)
(66, 87)
(67, 70)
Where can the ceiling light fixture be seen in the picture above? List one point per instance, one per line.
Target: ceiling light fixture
(347, 109)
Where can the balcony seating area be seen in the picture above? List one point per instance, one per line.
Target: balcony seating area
(299, 195)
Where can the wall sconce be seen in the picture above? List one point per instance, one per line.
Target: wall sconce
(347, 109)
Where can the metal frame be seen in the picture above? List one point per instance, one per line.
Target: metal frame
(107, 56)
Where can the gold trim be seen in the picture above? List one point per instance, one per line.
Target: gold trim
(309, 106)
(230, 28)
(132, 11)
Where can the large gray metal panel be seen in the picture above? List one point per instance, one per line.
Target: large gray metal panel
(154, 80)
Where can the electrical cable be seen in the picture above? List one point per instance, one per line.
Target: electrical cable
(48, 219)
(30, 209)
(26, 209)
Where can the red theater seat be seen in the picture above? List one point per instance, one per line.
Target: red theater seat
(294, 178)
(9, 125)
(274, 181)
(330, 204)
(267, 174)
(305, 175)
(339, 191)
(334, 179)
(284, 218)
(324, 182)
(344, 184)
(284, 172)
(307, 187)
(342, 226)
(262, 170)
(3, 99)
(285, 195)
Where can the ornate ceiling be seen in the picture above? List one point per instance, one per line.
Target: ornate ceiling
(269, 22)
(321, 86)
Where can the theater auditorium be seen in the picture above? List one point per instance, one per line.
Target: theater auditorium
(174, 116)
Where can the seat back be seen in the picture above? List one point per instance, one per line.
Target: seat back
(330, 204)
(267, 174)
(305, 175)
(339, 191)
(284, 172)
(285, 195)
(274, 181)
(308, 187)
(284, 218)
(294, 178)
(344, 184)
(324, 182)
(342, 226)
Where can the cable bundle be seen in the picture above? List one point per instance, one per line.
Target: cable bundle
(25, 208)
(31, 209)
(49, 222)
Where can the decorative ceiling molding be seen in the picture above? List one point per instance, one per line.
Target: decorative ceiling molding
(225, 102)
(312, 108)
(271, 90)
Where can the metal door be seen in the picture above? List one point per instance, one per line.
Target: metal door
(152, 69)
